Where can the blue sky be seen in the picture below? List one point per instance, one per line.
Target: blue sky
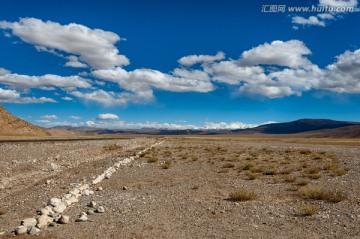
(178, 64)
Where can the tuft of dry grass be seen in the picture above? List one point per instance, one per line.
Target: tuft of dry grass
(270, 171)
(251, 176)
(338, 172)
(228, 165)
(223, 170)
(195, 187)
(2, 212)
(111, 147)
(289, 179)
(293, 188)
(314, 176)
(247, 167)
(242, 195)
(305, 151)
(166, 164)
(302, 182)
(319, 193)
(152, 160)
(309, 209)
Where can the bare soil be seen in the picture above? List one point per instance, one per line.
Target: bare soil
(184, 188)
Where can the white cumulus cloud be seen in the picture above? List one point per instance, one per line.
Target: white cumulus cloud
(107, 117)
(196, 59)
(94, 47)
(49, 117)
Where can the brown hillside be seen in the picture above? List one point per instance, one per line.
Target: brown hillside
(13, 126)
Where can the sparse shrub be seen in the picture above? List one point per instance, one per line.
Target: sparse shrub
(183, 156)
(242, 195)
(313, 170)
(314, 176)
(305, 151)
(339, 172)
(319, 193)
(309, 209)
(302, 182)
(293, 188)
(166, 164)
(247, 167)
(112, 147)
(223, 170)
(251, 176)
(317, 158)
(331, 167)
(195, 187)
(228, 165)
(152, 160)
(270, 171)
(285, 171)
(289, 179)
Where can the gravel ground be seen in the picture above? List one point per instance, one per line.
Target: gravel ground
(182, 188)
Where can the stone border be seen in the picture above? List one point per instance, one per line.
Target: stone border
(53, 212)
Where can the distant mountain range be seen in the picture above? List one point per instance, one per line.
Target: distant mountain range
(299, 126)
(302, 127)
(11, 125)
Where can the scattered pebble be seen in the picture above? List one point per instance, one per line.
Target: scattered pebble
(64, 219)
(92, 204)
(29, 222)
(43, 220)
(34, 230)
(54, 202)
(100, 209)
(90, 212)
(82, 218)
(21, 230)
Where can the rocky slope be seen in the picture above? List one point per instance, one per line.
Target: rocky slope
(11, 125)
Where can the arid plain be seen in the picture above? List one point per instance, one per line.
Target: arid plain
(187, 187)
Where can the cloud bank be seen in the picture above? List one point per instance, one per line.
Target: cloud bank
(272, 70)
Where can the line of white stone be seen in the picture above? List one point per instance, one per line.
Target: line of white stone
(53, 212)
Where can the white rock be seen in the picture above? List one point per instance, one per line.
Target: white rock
(86, 192)
(67, 196)
(100, 189)
(90, 212)
(56, 217)
(54, 166)
(84, 186)
(73, 200)
(54, 202)
(64, 219)
(82, 218)
(29, 222)
(43, 220)
(92, 204)
(60, 208)
(67, 202)
(74, 191)
(20, 230)
(34, 230)
(49, 209)
(100, 209)
(98, 179)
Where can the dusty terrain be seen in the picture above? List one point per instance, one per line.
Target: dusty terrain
(186, 188)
